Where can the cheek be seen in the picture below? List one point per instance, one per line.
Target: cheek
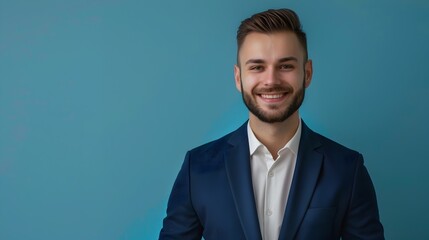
(298, 81)
(247, 86)
(249, 81)
(242, 83)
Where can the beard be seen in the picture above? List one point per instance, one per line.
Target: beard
(279, 115)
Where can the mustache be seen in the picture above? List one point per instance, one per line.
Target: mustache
(273, 89)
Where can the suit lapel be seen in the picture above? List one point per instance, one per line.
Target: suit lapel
(304, 181)
(237, 163)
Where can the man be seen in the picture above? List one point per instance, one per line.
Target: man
(273, 178)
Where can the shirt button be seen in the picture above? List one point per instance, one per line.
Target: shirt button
(269, 212)
(270, 174)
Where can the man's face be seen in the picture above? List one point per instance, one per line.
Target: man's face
(272, 75)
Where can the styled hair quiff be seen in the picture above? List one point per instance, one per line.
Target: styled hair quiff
(272, 21)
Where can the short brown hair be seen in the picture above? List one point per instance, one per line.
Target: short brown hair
(271, 21)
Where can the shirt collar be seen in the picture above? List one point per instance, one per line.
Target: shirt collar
(292, 145)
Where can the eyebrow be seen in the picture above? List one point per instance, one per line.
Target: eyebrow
(281, 60)
(287, 59)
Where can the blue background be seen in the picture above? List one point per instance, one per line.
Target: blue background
(100, 100)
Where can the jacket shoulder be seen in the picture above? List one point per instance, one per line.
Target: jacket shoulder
(212, 147)
(331, 149)
(335, 147)
(216, 148)
(338, 156)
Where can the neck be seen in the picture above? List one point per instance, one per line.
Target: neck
(274, 135)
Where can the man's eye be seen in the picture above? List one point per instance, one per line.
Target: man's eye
(286, 67)
(256, 68)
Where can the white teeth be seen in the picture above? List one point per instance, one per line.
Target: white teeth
(271, 96)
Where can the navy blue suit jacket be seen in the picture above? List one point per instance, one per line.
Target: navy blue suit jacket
(331, 196)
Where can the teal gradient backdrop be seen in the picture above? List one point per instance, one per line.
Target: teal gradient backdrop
(100, 100)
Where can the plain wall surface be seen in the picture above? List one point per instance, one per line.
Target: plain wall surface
(100, 100)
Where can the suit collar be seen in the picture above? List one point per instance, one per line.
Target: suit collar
(308, 165)
(307, 169)
(292, 144)
(239, 174)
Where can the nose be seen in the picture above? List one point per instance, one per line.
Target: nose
(271, 77)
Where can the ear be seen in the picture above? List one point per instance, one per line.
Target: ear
(237, 77)
(308, 72)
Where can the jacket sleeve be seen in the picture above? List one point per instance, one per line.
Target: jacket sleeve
(362, 220)
(181, 221)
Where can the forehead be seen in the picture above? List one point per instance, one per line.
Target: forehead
(271, 46)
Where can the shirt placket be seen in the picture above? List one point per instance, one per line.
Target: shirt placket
(269, 208)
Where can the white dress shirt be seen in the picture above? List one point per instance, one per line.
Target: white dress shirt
(272, 180)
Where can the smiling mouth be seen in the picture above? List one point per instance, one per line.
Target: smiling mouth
(271, 96)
